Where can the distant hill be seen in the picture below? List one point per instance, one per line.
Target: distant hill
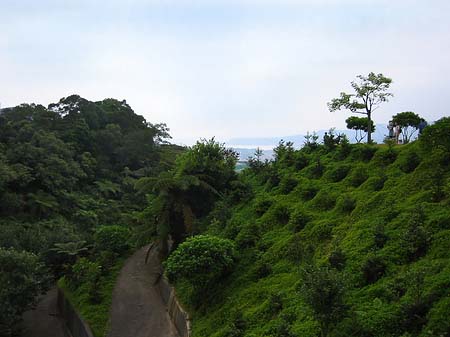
(298, 140)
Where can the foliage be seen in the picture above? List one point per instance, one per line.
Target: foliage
(437, 135)
(112, 238)
(370, 92)
(409, 123)
(201, 260)
(323, 291)
(22, 277)
(360, 125)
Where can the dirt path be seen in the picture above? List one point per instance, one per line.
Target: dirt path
(43, 321)
(137, 309)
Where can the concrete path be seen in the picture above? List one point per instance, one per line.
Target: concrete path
(43, 321)
(137, 309)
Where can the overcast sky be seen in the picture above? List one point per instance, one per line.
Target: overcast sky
(227, 68)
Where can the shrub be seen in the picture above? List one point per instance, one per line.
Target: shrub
(323, 291)
(278, 213)
(87, 273)
(324, 200)
(338, 173)
(301, 161)
(201, 260)
(112, 238)
(408, 161)
(308, 190)
(373, 269)
(248, 236)
(436, 135)
(299, 219)
(337, 259)
(22, 278)
(385, 157)
(363, 152)
(346, 203)
(375, 183)
(358, 176)
(287, 184)
(262, 205)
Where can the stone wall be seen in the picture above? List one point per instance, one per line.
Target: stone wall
(180, 318)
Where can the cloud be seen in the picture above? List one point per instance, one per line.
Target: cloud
(225, 68)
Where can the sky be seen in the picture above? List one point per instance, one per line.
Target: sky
(227, 68)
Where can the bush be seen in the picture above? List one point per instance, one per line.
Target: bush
(324, 200)
(248, 236)
(337, 259)
(22, 278)
(278, 213)
(363, 152)
(308, 190)
(375, 183)
(436, 135)
(358, 176)
(201, 260)
(87, 273)
(262, 205)
(287, 184)
(299, 219)
(323, 291)
(112, 238)
(373, 269)
(346, 203)
(408, 161)
(338, 173)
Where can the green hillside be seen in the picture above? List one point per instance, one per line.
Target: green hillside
(337, 240)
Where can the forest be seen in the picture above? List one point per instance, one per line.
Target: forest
(332, 239)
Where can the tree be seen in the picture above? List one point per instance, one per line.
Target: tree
(370, 92)
(22, 278)
(323, 290)
(409, 122)
(360, 125)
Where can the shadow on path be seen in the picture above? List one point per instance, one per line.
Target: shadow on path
(43, 321)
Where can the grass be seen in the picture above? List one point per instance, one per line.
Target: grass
(385, 212)
(96, 315)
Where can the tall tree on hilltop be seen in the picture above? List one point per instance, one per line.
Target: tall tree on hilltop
(370, 92)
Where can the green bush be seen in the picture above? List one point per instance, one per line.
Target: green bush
(299, 219)
(112, 238)
(22, 278)
(262, 205)
(338, 173)
(324, 200)
(375, 183)
(408, 161)
(248, 236)
(346, 203)
(358, 175)
(287, 184)
(87, 273)
(363, 152)
(201, 260)
(373, 269)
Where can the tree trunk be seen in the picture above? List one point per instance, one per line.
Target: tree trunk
(369, 127)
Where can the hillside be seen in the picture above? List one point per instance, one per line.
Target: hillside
(67, 175)
(337, 240)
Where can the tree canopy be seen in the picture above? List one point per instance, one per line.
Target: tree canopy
(409, 122)
(369, 92)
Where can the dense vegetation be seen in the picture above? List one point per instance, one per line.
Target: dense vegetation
(333, 239)
(67, 196)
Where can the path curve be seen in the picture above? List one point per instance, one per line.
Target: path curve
(44, 320)
(137, 309)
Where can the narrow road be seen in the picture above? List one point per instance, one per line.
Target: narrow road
(137, 309)
(43, 321)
